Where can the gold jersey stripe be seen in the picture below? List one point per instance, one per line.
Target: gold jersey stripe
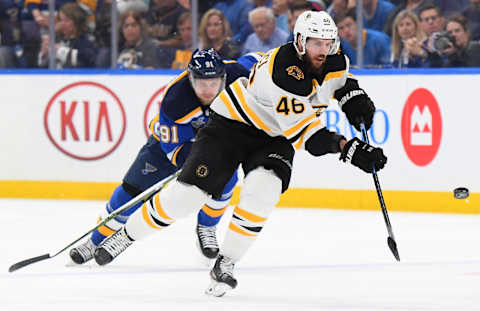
(237, 229)
(146, 217)
(188, 116)
(335, 74)
(106, 231)
(213, 212)
(298, 126)
(231, 110)
(272, 60)
(174, 158)
(253, 116)
(247, 215)
(309, 128)
(314, 87)
(183, 74)
(159, 209)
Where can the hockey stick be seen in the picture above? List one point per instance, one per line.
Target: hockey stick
(141, 197)
(391, 239)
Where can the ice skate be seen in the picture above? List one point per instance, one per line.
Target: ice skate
(83, 253)
(222, 277)
(112, 247)
(207, 241)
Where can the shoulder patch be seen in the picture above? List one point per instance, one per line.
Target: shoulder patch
(289, 73)
(295, 72)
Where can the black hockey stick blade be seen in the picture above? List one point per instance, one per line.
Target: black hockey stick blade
(393, 247)
(27, 262)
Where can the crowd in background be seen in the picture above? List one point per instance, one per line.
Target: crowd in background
(158, 33)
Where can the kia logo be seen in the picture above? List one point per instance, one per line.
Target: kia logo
(421, 127)
(85, 120)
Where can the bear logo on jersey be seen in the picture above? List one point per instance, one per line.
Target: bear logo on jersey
(202, 171)
(295, 72)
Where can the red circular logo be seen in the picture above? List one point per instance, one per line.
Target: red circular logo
(85, 120)
(421, 127)
(153, 108)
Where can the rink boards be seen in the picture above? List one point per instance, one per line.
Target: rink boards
(72, 135)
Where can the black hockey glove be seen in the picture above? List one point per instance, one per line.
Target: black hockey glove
(363, 155)
(356, 104)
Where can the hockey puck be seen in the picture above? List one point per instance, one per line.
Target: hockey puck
(461, 193)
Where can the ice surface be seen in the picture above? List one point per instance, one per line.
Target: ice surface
(305, 259)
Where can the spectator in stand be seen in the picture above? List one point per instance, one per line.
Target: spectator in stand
(460, 51)
(73, 48)
(376, 44)
(266, 35)
(431, 19)
(295, 8)
(408, 41)
(236, 12)
(34, 20)
(375, 13)
(472, 13)
(214, 32)
(409, 5)
(162, 18)
(280, 9)
(136, 49)
(179, 58)
(10, 41)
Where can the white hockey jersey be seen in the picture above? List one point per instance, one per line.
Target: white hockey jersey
(281, 97)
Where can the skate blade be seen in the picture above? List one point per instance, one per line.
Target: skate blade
(217, 289)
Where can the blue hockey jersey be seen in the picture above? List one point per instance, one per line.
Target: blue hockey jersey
(182, 115)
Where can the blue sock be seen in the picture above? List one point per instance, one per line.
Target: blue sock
(119, 197)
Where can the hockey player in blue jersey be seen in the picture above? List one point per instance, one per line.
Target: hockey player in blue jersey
(184, 110)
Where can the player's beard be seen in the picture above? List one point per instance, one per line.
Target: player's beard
(315, 65)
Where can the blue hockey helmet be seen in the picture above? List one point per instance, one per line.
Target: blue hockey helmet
(206, 64)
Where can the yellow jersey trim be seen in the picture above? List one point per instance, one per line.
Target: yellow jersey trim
(189, 116)
(174, 157)
(272, 61)
(298, 126)
(253, 116)
(333, 75)
(310, 126)
(231, 110)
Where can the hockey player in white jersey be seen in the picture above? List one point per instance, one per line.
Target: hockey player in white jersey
(259, 123)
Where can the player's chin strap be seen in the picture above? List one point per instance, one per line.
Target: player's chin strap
(144, 196)
(391, 239)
